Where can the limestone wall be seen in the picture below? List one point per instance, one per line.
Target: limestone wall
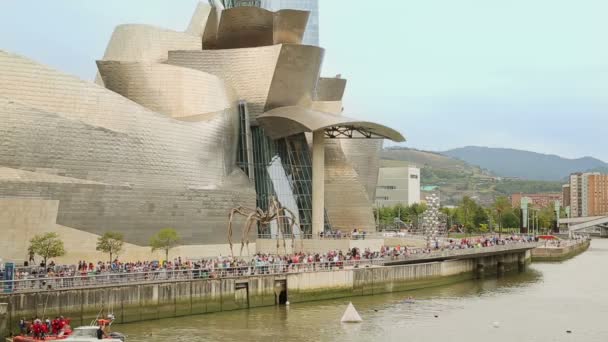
(21, 219)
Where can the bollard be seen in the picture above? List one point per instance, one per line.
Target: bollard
(4, 331)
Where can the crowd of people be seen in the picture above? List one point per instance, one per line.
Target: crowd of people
(39, 329)
(87, 273)
(355, 234)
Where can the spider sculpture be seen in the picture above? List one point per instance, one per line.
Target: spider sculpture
(276, 212)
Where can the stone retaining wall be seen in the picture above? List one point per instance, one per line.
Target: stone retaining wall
(559, 253)
(139, 302)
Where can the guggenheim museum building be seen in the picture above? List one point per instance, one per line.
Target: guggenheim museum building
(177, 130)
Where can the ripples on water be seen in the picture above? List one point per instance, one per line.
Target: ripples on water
(538, 305)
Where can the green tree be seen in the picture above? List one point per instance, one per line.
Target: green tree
(47, 245)
(165, 239)
(416, 210)
(466, 213)
(501, 206)
(510, 220)
(483, 228)
(480, 217)
(111, 243)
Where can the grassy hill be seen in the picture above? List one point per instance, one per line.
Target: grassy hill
(457, 178)
(524, 164)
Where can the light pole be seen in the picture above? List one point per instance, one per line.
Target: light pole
(568, 223)
(534, 223)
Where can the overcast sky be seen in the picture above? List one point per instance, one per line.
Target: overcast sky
(527, 74)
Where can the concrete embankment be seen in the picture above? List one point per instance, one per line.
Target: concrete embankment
(554, 253)
(146, 301)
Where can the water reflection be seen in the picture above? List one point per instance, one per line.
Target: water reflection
(538, 305)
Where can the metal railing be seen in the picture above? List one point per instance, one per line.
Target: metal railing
(456, 252)
(561, 243)
(343, 236)
(121, 278)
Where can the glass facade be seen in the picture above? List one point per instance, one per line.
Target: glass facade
(242, 157)
(283, 168)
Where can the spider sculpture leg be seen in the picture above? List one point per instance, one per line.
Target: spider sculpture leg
(293, 223)
(248, 223)
(241, 211)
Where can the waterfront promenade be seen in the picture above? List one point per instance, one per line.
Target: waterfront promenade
(134, 297)
(560, 250)
(232, 268)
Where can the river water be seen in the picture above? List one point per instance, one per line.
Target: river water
(541, 304)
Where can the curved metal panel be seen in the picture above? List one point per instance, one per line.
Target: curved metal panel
(171, 90)
(198, 22)
(248, 26)
(154, 171)
(334, 107)
(295, 76)
(242, 27)
(364, 156)
(346, 199)
(354, 163)
(135, 42)
(212, 26)
(266, 77)
(248, 71)
(330, 89)
(314, 120)
(289, 26)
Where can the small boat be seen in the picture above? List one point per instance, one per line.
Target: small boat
(66, 332)
(80, 334)
(89, 334)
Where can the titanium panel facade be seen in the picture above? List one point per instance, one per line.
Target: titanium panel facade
(244, 27)
(156, 171)
(157, 147)
(189, 93)
(266, 77)
(311, 35)
(364, 156)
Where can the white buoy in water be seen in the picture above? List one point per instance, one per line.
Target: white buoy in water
(496, 324)
(351, 315)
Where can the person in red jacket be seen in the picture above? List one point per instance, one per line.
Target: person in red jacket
(61, 324)
(37, 329)
(55, 325)
(44, 330)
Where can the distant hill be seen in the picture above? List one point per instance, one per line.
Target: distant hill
(524, 164)
(409, 156)
(457, 178)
